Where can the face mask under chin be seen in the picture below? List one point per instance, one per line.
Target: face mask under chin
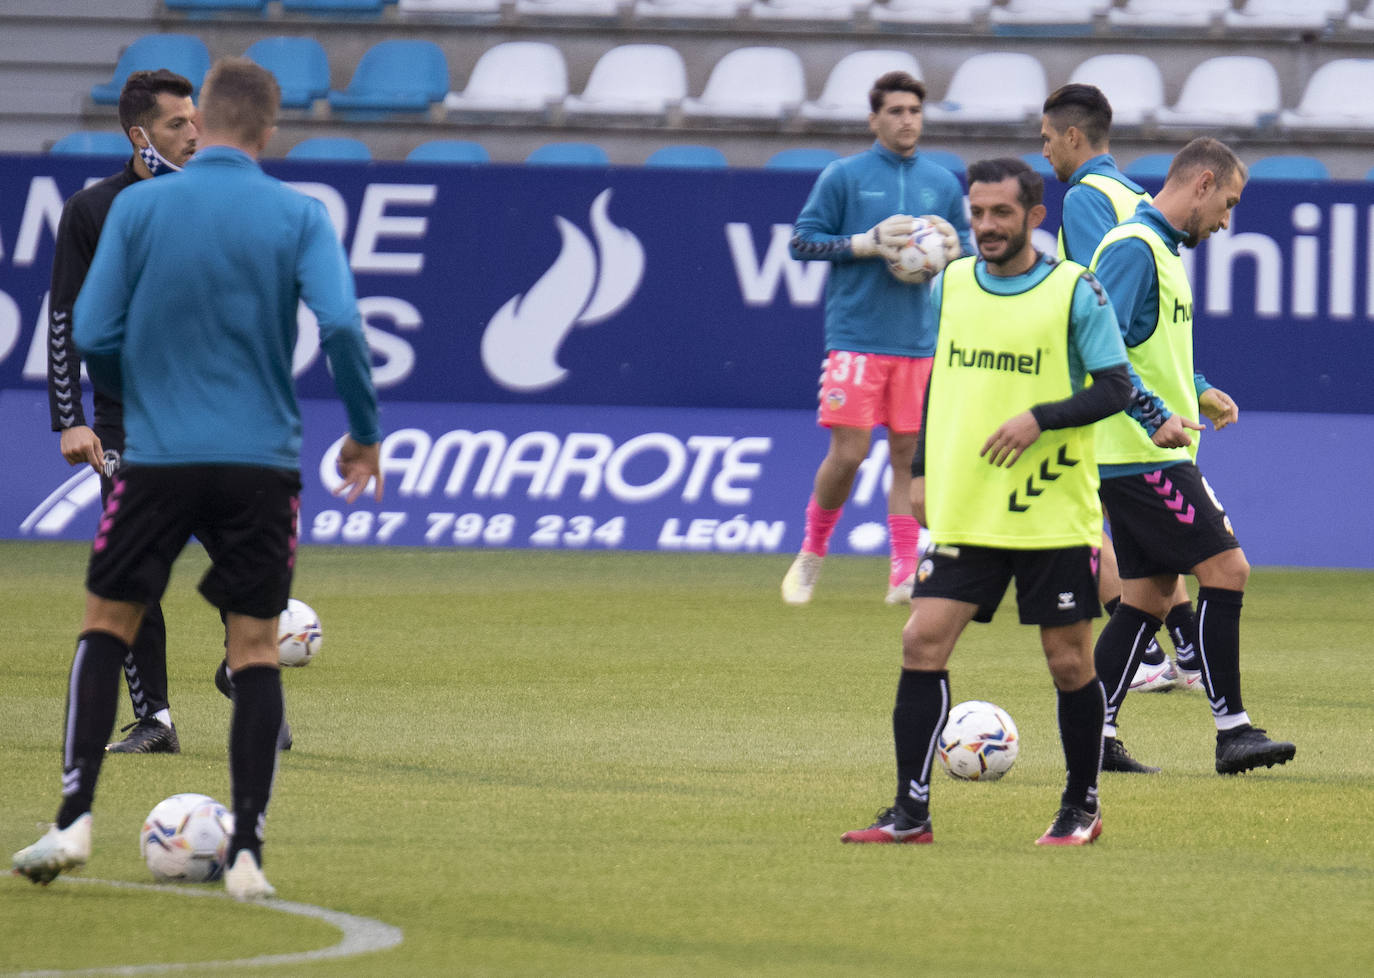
(156, 163)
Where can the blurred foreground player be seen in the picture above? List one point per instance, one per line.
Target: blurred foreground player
(158, 117)
(1005, 474)
(213, 437)
(879, 331)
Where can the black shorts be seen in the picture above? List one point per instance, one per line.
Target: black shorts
(244, 515)
(1165, 522)
(1053, 587)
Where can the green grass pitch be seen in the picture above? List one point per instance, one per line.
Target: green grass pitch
(551, 763)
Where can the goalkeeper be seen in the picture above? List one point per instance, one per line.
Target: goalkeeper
(879, 331)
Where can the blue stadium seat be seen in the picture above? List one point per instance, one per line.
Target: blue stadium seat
(329, 148)
(1370, 174)
(1151, 166)
(951, 161)
(801, 158)
(568, 154)
(1290, 167)
(215, 6)
(300, 66)
(395, 76)
(449, 151)
(1039, 164)
(185, 54)
(105, 143)
(333, 7)
(687, 156)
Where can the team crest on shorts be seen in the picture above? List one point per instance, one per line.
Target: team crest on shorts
(110, 463)
(925, 569)
(834, 399)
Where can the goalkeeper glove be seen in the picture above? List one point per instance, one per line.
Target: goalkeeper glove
(953, 247)
(887, 234)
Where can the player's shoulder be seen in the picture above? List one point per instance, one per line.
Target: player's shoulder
(99, 195)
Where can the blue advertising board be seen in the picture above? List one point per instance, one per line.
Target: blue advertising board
(627, 358)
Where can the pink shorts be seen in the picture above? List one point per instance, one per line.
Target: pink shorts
(864, 390)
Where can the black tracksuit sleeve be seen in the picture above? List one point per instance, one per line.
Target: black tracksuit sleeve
(77, 236)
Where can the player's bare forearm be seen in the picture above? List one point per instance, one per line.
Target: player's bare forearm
(1005, 445)
(357, 465)
(918, 499)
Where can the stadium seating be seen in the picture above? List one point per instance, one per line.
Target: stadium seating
(300, 66)
(802, 158)
(751, 83)
(995, 87)
(1289, 167)
(642, 80)
(449, 151)
(1039, 164)
(1339, 95)
(210, 7)
(568, 154)
(185, 54)
(952, 162)
(478, 10)
(844, 98)
(1312, 15)
(1046, 17)
(567, 9)
(333, 8)
(514, 77)
(1360, 20)
(1230, 90)
(329, 148)
(832, 13)
(1167, 14)
(1132, 83)
(692, 11)
(929, 11)
(102, 143)
(395, 76)
(687, 156)
(1151, 166)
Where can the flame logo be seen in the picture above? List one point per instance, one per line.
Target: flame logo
(520, 345)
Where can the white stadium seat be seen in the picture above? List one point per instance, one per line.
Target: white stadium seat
(516, 76)
(1230, 90)
(929, 11)
(1339, 95)
(568, 9)
(632, 80)
(999, 86)
(845, 95)
(829, 12)
(757, 83)
(695, 11)
(1132, 83)
(1167, 13)
(1360, 20)
(1028, 13)
(1285, 14)
(484, 9)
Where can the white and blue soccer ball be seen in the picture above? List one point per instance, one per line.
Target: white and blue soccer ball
(979, 742)
(299, 635)
(922, 257)
(185, 839)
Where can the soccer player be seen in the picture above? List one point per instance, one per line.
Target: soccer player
(1165, 519)
(879, 332)
(213, 432)
(1005, 474)
(156, 113)
(1074, 131)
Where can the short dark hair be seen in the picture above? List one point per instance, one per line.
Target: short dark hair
(239, 97)
(1030, 186)
(1205, 153)
(1083, 107)
(138, 98)
(894, 81)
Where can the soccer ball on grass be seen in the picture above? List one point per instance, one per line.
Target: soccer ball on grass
(979, 742)
(299, 635)
(185, 839)
(922, 257)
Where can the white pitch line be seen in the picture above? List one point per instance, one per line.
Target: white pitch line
(361, 935)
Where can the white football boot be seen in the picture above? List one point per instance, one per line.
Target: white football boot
(59, 851)
(245, 881)
(801, 578)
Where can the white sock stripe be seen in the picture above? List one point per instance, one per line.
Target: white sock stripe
(934, 737)
(69, 734)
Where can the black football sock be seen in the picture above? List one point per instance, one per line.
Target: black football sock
(145, 666)
(1109, 606)
(1119, 648)
(253, 730)
(1182, 626)
(917, 719)
(1218, 631)
(1153, 654)
(92, 705)
(1080, 732)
